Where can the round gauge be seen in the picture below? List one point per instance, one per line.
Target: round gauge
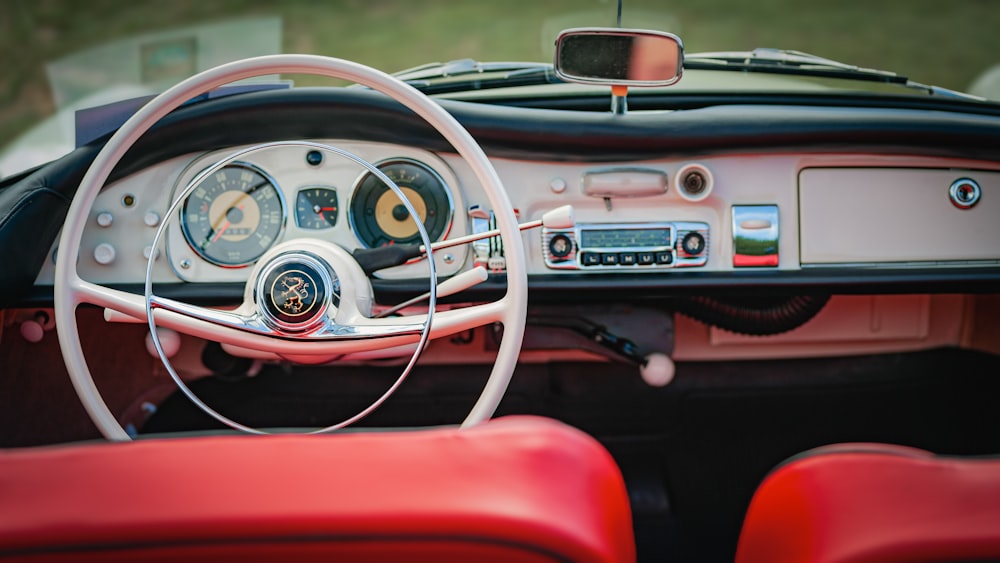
(379, 217)
(316, 208)
(233, 216)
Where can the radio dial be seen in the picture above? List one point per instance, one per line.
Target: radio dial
(693, 244)
(560, 247)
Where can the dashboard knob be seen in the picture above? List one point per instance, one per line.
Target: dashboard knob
(964, 193)
(151, 218)
(658, 370)
(105, 253)
(693, 243)
(105, 219)
(560, 247)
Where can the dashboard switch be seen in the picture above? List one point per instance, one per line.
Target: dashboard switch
(755, 236)
(105, 253)
(151, 218)
(105, 219)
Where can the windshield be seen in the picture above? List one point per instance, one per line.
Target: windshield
(62, 55)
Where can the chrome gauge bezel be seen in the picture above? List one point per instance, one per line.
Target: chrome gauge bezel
(279, 194)
(356, 186)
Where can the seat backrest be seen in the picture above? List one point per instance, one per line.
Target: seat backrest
(513, 489)
(874, 503)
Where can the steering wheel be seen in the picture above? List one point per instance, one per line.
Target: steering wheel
(346, 328)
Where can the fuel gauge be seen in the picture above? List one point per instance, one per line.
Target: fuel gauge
(316, 208)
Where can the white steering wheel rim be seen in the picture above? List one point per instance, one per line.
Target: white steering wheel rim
(70, 288)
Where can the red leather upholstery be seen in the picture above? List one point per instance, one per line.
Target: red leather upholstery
(870, 502)
(514, 489)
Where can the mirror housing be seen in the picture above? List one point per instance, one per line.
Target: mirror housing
(619, 57)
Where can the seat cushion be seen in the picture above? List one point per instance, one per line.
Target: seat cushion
(873, 502)
(513, 489)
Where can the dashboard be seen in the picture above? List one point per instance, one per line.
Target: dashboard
(671, 207)
(719, 214)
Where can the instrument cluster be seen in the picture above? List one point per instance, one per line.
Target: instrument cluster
(231, 216)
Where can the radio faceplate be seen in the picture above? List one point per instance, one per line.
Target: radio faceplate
(626, 246)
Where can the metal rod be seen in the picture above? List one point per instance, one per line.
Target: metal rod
(478, 236)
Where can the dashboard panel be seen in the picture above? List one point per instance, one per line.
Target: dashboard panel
(745, 212)
(225, 220)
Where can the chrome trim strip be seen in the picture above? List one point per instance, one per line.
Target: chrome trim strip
(905, 265)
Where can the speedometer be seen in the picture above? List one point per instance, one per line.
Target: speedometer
(233, 216)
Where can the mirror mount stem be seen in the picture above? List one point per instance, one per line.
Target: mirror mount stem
(619, 100)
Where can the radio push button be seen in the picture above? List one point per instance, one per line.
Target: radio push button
(609, 259)
(664, 257)
(591, 259)
(645, 258)
(626, 259)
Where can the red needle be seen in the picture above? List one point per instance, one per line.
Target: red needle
(320, 210)
(220, 231)
(224, 226)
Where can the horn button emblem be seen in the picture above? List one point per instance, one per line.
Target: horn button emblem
(293, 292)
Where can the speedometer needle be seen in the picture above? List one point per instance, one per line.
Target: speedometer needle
(220, 231)
(225, 225)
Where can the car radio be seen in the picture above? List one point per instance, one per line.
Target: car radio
(626, 246)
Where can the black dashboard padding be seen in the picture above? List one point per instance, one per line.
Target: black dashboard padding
(560, 135)
(32, 211)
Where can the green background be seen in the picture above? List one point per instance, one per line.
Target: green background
(947, 43)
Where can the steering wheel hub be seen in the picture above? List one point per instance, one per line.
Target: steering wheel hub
(295, 291)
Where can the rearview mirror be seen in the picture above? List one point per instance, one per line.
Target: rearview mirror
(621, 57)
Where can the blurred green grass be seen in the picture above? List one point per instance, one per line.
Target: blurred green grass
(943, 43)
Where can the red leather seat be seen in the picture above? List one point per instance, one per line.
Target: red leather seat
(871, 502)
(514, 489)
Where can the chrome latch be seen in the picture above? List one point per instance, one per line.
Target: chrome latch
(755, 236)
(489, 252)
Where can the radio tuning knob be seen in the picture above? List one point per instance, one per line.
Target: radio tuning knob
(693, 243)
(560, 247)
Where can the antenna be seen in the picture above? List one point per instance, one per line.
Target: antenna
(620, 13)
